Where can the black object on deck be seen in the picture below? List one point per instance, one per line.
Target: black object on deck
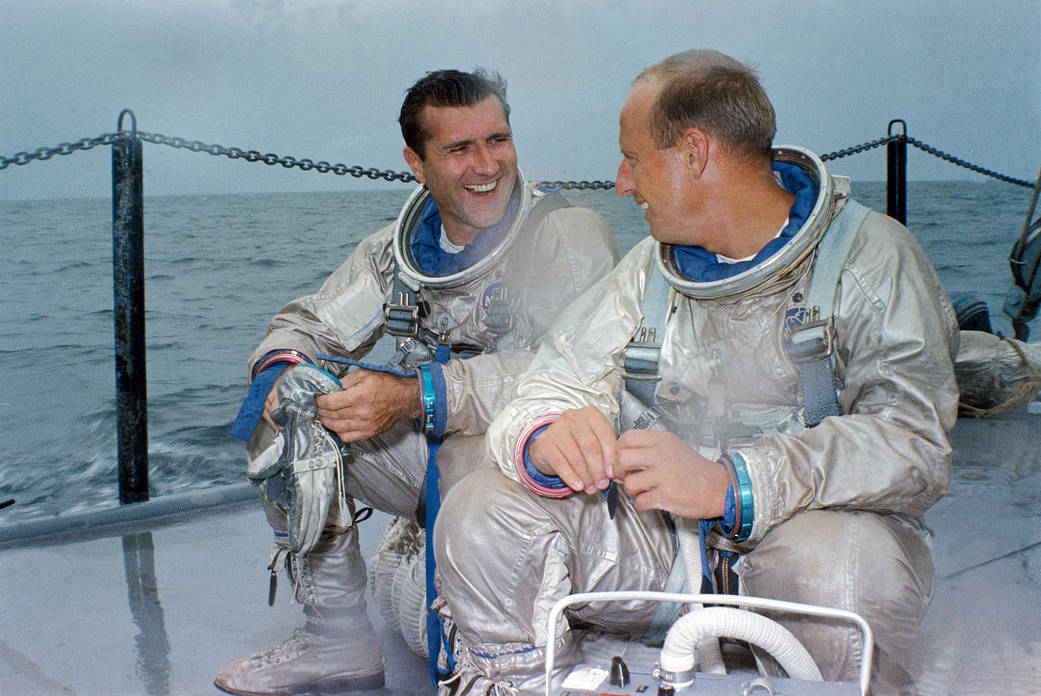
(128, 282)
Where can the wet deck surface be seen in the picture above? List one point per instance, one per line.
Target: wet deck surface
(161, 610)
(156, 612)
(982, 634)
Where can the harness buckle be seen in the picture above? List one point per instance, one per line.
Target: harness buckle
(642, 354)
(444, 326)
(401, 318)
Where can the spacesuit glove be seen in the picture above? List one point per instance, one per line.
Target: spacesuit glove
(310, 461)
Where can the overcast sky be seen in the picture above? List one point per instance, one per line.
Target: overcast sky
(324, 79)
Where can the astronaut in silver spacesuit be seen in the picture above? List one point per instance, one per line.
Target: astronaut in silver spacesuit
(468, 279)
(792, 398)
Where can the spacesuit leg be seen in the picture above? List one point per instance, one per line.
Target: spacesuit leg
(505, 555)
(336, 647)
(878, 566)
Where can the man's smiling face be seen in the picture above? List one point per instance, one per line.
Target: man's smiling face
(469, 166)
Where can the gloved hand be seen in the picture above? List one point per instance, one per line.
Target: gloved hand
(301, 468)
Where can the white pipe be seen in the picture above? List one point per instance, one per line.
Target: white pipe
(709, 655)
(677, 654)
(733, 600)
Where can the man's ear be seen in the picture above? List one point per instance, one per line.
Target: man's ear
(415, 163)
(695, 145)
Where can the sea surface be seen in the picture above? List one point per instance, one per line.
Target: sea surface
(218, 266)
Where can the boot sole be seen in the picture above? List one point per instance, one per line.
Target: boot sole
(333, 687)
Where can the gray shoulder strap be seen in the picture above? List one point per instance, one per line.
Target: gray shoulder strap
(643, 352)
(832, 254)
(813, 343)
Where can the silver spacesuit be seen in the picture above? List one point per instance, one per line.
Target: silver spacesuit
(831, 513)
(490, 315)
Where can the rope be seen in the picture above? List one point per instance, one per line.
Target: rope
(323, 167)
(1023, 392)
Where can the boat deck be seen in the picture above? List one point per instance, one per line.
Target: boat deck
(155, 610)
(159, 607)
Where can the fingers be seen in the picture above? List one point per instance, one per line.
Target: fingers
(369, 404)
(642, 488)
(579, 448)
(647, 467)
(341, 413)
(560, 459)
(661, 472)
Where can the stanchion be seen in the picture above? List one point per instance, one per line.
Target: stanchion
(128, 280)
(896, 174)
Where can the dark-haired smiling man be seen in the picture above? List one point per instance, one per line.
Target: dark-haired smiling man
(477, 266)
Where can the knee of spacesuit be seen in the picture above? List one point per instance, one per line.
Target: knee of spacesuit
(459, 456)
(878, 566)
(501, 565)
(474, 545)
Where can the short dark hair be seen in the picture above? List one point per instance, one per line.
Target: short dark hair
(446, 88)
(716, 93)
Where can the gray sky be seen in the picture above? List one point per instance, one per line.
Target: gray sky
(324, 79)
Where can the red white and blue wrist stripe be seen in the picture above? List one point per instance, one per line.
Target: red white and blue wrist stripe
(284, 355)
(262, 377)
(543, 484)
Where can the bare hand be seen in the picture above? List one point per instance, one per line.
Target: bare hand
(662, 472)
(369, 404)
(579, 448)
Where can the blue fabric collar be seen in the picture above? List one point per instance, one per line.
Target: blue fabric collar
(702, 266)
(433, 260)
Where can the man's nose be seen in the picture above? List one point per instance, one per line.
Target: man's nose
(623, 183)
(483, 161)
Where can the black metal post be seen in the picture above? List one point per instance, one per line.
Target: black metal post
(128, 283)
(896, 174)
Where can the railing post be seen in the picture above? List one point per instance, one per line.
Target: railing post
(128, 284)
(896, 174)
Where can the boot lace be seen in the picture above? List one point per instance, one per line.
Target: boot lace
(291, 648)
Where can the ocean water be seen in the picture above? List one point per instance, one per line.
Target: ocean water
(217, 267)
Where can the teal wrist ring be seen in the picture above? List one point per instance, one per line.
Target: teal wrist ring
(743, 494)
(426, 394)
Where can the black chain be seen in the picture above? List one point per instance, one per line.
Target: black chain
(962, 163)
(324, 167)
(577, 185)
(272, 159)
(45, 153)
(930, 150)
(857, 149)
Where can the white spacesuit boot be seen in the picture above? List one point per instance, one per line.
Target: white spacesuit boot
(336, 649)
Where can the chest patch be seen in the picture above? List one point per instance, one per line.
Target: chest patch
(493, 310)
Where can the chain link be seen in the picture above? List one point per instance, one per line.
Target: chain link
(968, 165)
(927, 149)
(272, 159)
(577, 185)
(373, 173)
(857, 149)
(45, 153)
